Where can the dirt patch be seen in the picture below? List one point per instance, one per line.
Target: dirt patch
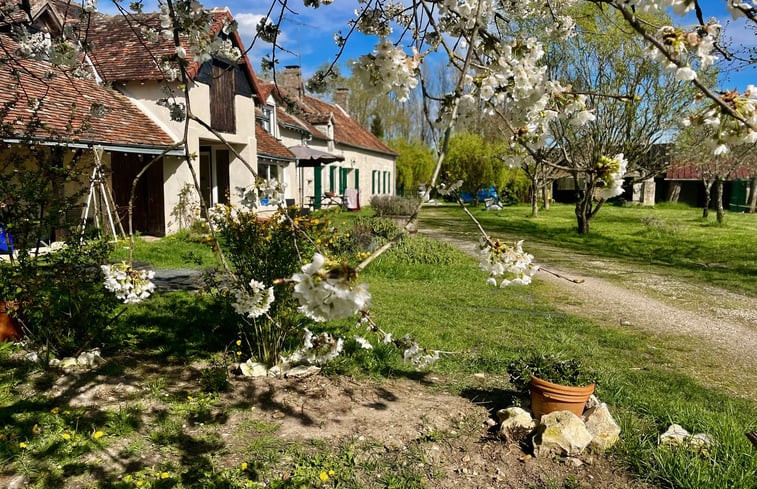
(449, 439)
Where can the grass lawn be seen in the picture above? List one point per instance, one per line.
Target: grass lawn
(171, 434)
(672, 237)
(180, 250)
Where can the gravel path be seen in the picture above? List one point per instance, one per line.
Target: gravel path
(714, 331)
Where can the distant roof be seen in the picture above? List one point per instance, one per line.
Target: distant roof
(694, 173)
(64, 107)
(311, 112)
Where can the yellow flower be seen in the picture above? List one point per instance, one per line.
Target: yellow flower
(22, 445)
(323, 476)
(55, 410)
(331, 472)
(190, 398)
(239, 342)
(97, 435)
(164, 475)
(243, 466)
(239, 353)
(66, 436)
(66, 412)
(35, 429)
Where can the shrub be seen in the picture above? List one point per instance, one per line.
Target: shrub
(266, 250)
(392, 205)
(420, 250)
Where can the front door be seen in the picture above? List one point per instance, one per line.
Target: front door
(148, 210)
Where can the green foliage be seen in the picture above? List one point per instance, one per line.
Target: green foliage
(474, 161)
(393, 205)
(563, 371)
(415, 164)
(60, 299)
(419, 250)
(265, 250)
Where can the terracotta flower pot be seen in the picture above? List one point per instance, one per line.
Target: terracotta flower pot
(547, 397)
(10, 330)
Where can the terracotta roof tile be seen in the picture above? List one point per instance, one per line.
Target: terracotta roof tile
(269, 146)
(65, 101)
(122, 53)
(347, 130)
(694, 173)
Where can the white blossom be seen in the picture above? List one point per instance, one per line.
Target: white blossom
(255, 302)
(129, 285)
(364, 344)
(328, 291)
(611, 172)
(316, 349)
(501, 260)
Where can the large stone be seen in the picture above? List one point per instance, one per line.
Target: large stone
(605, 432)
(301, 371)
(561, 433)
(515, 423)
(253, 369)
(675, 435)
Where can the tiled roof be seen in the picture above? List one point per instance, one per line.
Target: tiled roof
(292, 121)
(347, 130)
(694, 173)
(122, 53)
(311, 111)
(269, 146)
(63, 101)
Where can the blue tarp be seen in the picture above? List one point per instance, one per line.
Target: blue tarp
(6, 241)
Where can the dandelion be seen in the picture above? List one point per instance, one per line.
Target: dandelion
(55, 410)
(331, 472)
(165, 475)
(66, 436)
(323, 476)
(243, 466)
(97, 435)
(239, 353)
(22, 445)
(239, 342)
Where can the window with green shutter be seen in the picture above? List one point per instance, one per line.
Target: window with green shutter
(357, 178)
(373, 181)
(332, 178)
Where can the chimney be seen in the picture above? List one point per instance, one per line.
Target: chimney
(291, 81)
(342, 98)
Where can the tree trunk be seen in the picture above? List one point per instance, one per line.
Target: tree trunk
(706, 210)
(545, 196)
(674, 192)
(583, 211)
(753, 196)
(534, 197)
(719, 200)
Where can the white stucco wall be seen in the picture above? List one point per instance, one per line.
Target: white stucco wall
(175, 173)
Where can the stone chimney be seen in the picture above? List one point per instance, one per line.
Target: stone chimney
(342, 98)
(291, 81)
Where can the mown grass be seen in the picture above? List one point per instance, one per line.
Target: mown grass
(180, 250)
(672, 237)
(446, 306)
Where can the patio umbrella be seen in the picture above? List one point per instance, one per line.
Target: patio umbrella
(309, 157)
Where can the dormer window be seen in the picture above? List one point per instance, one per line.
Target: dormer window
(266, 120)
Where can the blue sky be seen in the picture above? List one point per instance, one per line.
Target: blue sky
(308, 34)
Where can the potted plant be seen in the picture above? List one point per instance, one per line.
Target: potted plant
(556, 384)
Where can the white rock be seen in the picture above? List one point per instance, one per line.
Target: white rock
(253, 369)
(573, 462)
(675, 435)
(561, 433)
(605, 432)
(592, 402)
(68, 362)
(17, 482)
(702, 442)
(302, 371)
(275, 371)
(515, 420)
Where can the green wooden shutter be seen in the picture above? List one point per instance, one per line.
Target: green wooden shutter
(317, 187)
(357, 178)
(332, 178)
(373, 181)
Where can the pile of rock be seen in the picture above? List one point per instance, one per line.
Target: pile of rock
(562, 433)
(677, 436)
(256, 369)
(85, 360)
